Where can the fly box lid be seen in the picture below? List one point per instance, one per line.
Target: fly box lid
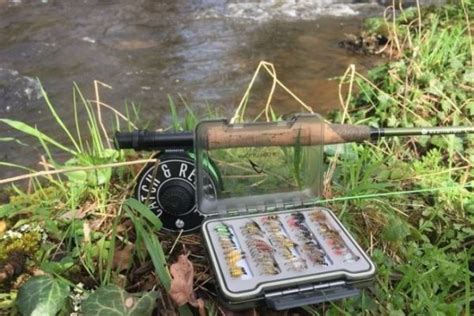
(257, 171)
(266, 238)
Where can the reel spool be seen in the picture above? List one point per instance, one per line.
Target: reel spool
(168, 189)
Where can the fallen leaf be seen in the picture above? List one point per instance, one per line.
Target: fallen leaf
(13, 266)
(79, 213)
(182, 272)
(87, 232)
(3, 227)
(122, 257)
(181, 290)
(125, 226)
(201, 307)
(95, 224)
(35, 271)
(72, 214)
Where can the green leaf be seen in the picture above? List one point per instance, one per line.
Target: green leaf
(99, 176)
(396, 229)
(9, 210)
(58, 267)
(42, 296)
(112, 300)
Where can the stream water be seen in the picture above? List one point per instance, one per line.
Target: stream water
(205, 50)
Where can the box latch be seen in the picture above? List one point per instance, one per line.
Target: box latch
(309, 294)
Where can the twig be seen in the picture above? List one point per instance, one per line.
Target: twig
(99, 111)
(270, 68)
(272, 73)
(307, 107)
(119, 114)
(175, 242)
(245, 96)
(468, 26)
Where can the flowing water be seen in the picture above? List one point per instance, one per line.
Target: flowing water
(204, 50)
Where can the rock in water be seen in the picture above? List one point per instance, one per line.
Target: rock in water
(17, 91)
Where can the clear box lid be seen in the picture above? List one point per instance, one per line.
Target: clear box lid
(260, 166)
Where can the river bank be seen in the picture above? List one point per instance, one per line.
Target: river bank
(408, 201)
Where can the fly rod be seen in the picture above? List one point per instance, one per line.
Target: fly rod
(253, 135)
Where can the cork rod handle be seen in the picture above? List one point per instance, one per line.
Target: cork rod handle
(300, 133)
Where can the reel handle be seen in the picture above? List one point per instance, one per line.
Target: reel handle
(146, 140)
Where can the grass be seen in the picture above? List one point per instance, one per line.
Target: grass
(408, 201)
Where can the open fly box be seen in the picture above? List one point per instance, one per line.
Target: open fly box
(268, 241)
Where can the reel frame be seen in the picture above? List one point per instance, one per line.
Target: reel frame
(168, 188)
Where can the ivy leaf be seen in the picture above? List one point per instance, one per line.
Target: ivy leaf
(112, 300)
(42, 295)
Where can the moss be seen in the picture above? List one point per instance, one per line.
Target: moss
(28, 243)
(36, 198)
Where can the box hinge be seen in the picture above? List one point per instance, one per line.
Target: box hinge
(259, 208)
(293, 204)
(309, 294)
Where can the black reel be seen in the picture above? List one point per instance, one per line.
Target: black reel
(168, 189)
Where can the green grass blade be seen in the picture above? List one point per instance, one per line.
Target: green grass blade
(76, 119)
(27, 129)
(174, 115)
(145, 212)
(12, 139)
(153, 247)
(58, 119)
(94, 131)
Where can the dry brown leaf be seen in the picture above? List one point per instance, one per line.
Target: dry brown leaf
(79, 213)
(3, 227)
(72, 214)
(149, 283)
(35, 271)
(125, 226)
(13, 266)
(87, 232)
(201, 307)
(181, 290)
(95, 224)
(122, 257)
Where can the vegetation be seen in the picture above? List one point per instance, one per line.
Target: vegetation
(408, 201)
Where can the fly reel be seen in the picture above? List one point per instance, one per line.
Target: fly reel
(167, 187)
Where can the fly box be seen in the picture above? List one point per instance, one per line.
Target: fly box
(268, 240)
